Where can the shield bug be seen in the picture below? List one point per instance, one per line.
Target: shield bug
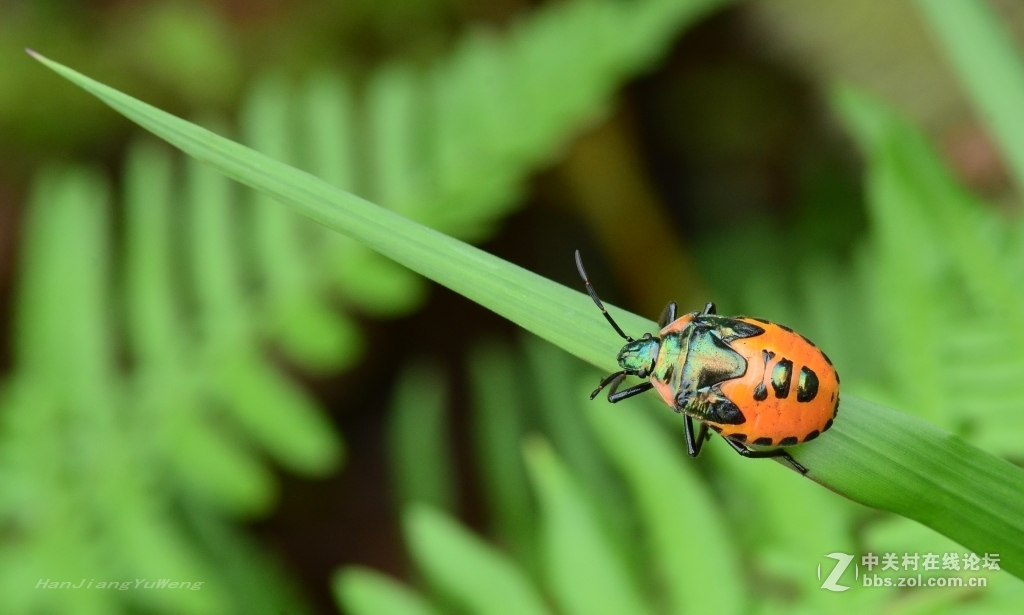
(761, 385)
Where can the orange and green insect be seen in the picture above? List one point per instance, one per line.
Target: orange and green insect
(757, 383)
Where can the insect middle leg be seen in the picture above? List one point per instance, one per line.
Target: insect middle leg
(775, 452)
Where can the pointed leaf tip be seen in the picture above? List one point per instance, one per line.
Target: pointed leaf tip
(33, 53)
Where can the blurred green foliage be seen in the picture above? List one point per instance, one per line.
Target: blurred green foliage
(127, 456)
(122, 473)
(923, 314)
(722, 534)
(84, 453)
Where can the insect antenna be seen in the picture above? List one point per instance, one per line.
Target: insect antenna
(593, 295)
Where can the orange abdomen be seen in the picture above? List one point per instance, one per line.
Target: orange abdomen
(789, 392)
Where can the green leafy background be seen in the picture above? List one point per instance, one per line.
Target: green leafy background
(161, 321)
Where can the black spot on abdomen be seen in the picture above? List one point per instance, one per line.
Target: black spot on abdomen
(763, 442)
(814, 434)
(788, 441)
(782, 377)
(760, 392)
(807, 385)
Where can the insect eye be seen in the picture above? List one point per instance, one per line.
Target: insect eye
(647, 336)
(642, 373)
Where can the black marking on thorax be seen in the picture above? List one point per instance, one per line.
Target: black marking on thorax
(710, 405)
(710, 361)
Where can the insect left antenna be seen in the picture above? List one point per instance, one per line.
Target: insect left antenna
(593, 295)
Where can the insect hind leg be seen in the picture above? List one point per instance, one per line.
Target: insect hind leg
(775, 452)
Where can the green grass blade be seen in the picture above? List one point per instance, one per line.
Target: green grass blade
(281, 416)
(990, 67)
(894, 461)
(328, 129)
(362, 591)
(479, 578)
(362, 277)
(873, 455)
(305, 326)
(479, 276)
(206, 463)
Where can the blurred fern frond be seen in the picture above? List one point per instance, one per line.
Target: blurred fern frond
(118, 471)
(926, 313)
(720, 534)
(945, 281)
(78, 508)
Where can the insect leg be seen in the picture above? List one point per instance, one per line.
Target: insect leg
(694, 443)
(702, 436)
(615, 396)
(669, 315)
(775, 452)
(606, 381)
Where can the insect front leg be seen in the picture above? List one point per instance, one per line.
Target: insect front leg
(614, 395)
(613, 379)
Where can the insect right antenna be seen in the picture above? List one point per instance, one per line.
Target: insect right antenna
(593, 295)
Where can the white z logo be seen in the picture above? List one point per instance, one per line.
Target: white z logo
(842, 562)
